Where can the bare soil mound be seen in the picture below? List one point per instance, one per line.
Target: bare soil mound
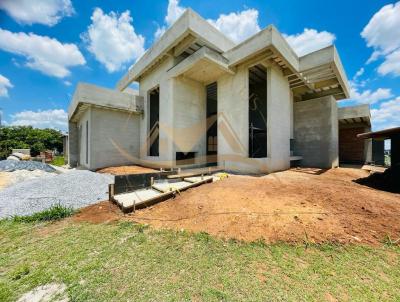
(294, 206)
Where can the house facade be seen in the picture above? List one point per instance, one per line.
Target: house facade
(252, 107)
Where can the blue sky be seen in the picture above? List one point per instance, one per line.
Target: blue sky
(47, 47)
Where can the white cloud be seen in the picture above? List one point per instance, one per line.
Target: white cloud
(368, 96)
(383, 30)
(43, 53)
(48, 12)
(5, 84)
(382, 33)
(159, 32)
(113, 40)
(386, 115)
(359, 73)
(310, 40)
(238, 26)
(56, 119)
(174, 11)
(67, 83)
(391, 65)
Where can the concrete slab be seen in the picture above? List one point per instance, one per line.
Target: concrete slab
(137, 197)
(173, 186)
(198, 178)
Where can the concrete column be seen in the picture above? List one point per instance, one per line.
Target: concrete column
(73, 152)
(395, 150)
(316, 132)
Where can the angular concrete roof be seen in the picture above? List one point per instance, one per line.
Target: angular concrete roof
(317, 74)
(354, 114)
(87, 95)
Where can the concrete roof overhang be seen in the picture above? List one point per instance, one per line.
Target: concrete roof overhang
(315, 75)
(354, 114)
(382, 134)
(87, 95)
(189, 28)
(205, 66)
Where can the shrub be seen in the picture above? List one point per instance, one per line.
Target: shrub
(55, 212)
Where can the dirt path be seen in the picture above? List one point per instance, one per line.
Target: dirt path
(291, 206)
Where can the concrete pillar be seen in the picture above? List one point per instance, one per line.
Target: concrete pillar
(395, 150)
(316, 132)
(73, 152)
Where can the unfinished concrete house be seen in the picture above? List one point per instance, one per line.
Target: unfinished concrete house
(252, 107)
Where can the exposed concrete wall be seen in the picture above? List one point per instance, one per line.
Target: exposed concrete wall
(278, 121)
(84, 139)
(73, 144)
(190, 118)
(114, 138)
(233, 123)
(316, 132)
(158, 77)
(233, 119)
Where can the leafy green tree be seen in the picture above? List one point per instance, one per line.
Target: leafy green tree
(16, 137)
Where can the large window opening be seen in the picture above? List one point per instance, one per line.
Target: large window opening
(212, 123)
(154, 116)
(257, 112)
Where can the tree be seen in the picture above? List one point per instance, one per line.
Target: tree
(24, 137)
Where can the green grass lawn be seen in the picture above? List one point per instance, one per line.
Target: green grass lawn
(128, 262)
(58, 161)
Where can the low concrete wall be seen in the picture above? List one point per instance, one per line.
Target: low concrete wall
(316, 132)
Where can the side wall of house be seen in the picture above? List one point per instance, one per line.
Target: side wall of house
(233, 123)
(114, 137)
(316, 132)
(190, 118)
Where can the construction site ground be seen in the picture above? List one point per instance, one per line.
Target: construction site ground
(125, 170)
(298, 205)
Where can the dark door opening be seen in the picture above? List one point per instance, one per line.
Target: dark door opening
(154, 116)
(212, 123)
(257, 112)
(185, 158)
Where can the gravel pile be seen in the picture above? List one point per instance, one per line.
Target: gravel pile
(12, 165)
(19, 176)
(75, 189)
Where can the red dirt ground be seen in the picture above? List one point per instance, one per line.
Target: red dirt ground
(124, 170)
(293, 206)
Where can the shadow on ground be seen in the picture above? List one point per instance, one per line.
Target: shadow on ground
(388, 181)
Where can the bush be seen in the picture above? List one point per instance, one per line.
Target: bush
(55, 212)
(58, 161)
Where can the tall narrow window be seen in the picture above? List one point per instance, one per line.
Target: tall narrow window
(87, 142)
(212, 128)
(154, 108)
(257, 112)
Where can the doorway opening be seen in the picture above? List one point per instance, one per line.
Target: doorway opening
(154, 117)
(257, 112)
